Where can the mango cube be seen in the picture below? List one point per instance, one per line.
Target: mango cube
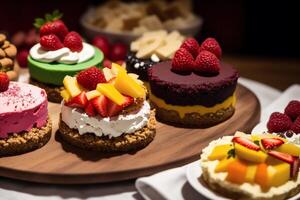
(111, 92)
(222, 166)
(251, 172)
(249, 154)
(116, 68)
(278, 174)
(237, 171)
(92, 94)
(65, 95)
(71, 85)
(220, 152)
(289, 148)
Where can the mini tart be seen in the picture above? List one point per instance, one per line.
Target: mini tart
(192, 100)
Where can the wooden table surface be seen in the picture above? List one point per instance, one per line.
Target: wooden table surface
(279, 73)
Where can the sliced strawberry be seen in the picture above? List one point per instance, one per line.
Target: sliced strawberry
(100, 104)
(246, 143)
(89, 109)
(295, 167)
(79, 101)
(114, 109)
(270, 143)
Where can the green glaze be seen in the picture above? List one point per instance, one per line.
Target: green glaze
(54, 73)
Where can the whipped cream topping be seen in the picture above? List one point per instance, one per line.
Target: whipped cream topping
(63, 55)
(109, 126)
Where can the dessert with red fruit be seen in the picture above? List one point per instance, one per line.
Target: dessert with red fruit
(58, 53)
(243, 166)
(194, 89)
(24, 122)
(105, 110)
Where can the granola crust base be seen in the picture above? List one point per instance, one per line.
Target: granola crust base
(26, 141)
(124, 143)
(53, 91)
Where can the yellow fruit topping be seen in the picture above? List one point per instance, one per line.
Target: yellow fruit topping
(249, 154)
(65, 95)
(111, 92)
(237, 171)
(222, 166)
(261, 176)
(278, 174)
(251, 172)
(116, 69)
(289, 148)
(220, 152)
(71, 86)
(128, 86)
(92, 94)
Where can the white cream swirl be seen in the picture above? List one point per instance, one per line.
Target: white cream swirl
(109, 126)
(63, 55)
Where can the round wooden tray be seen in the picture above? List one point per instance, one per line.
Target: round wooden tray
(58, 162)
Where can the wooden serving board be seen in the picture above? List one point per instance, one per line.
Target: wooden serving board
(58, 162)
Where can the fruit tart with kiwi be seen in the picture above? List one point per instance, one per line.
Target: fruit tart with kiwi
(106, 111)
(261, 166)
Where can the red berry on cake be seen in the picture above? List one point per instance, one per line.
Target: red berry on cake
(183, 61)
(279, 122)
(118, 52)
(100, 104)
(271, 143)
(191, 45)
(90, 77)
(73, 41)
(103, 44)
(79, 101)
(89, 109)
(56, 27)
(4, 81)
(246, 143)
(114, 109)
(206, 62)
(211, 45)
(51, 42)
(293, 109)
(296, 126)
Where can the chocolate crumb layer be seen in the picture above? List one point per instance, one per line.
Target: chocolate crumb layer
(53, 91)
(26, 141)
(124, 143)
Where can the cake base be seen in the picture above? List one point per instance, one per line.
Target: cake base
(124, 143)
(192, 120)
(53, 91)
(26, 141)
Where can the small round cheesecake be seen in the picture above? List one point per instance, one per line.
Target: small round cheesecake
(192, 100)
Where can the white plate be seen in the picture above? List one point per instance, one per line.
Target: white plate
(193, 172)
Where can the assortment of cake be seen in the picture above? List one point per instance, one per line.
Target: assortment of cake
(24, 121)
(252, 167)
(194, 89)
(59, 53)
(106, 111)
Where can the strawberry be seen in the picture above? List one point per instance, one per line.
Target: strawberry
(89, 78)
(279, 122)
(4, 82)
(114, 109)
(183, 61)
(100, 105)
(270, 143)
(293, 109)
(56, 27)
(118, 52)
(79, 101)
(89, 109)
(246, 143)
(22, 58)
(296, 125)
(207, 63)
(102, 43)
(51, 42)
(73, 41)
(211, 45)
(191, 45)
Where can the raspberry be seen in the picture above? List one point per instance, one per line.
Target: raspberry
(296, 125)
(4, 81)
(191, 45)
(211, 45)
(279, 122)
(90, 77)
(207, 62)
(293, 109)
(183, 61)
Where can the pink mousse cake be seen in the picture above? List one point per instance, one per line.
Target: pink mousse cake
(24, 123)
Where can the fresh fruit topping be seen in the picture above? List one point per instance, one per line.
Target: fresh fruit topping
(65, 95)
(278, 174)
(111, 92)
(296, 126)
(289, 148)
(211, 45)
(223, 164)
(116, 68)
(118, 52)
(282, 156)
(279, 122)
(51, 42)
(108, 73)
(107, 63)
(103, 44)
(261, 176)
(92, 94)
(207, 63)
(71, 85)
(246, 143)
(237, 167)
(73, 41)
(183, 61)
(251, 172)
(247, 154)
(114, 109)
(79, 101)
(100, 104)
(191, 45)
(89, 78)
(271, 143)
(295, 167)
(89, 109)
(220, 152)
(4, 82)
(22, 58)
(293, 109)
